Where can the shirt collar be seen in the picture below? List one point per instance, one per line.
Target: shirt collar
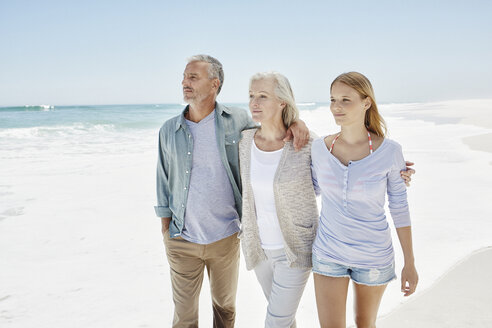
(182, 120)
(218, 108)
(222, 109)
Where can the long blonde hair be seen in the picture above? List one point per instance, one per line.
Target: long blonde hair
(373, 121)
(284, 93)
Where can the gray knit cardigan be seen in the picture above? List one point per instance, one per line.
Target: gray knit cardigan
(295, 202)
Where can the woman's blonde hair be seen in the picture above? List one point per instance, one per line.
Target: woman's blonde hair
(284, 93)
(373, 121)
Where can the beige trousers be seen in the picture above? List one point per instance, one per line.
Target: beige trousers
(187, 262)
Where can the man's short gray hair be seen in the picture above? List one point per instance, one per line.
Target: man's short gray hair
(215, 70)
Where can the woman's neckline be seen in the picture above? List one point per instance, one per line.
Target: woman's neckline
(376, 151)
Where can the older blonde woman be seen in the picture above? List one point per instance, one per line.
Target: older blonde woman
(279, 203)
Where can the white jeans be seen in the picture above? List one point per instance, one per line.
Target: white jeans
(283, 287)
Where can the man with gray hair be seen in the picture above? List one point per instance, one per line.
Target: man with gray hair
(199, 195)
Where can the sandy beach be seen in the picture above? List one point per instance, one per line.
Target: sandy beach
(86, 86)
(80, 245)
(480, 117)
(481, 142)
(468, 112)
(461, 298)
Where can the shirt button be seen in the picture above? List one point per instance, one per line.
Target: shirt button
(187, 171)
(233, 141)
(182, 205)
(189, 153)
(184, 188)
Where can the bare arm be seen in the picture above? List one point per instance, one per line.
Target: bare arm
(409, 276)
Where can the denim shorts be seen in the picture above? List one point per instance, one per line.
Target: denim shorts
(369, 277)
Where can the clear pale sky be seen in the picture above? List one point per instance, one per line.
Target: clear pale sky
(126, 52)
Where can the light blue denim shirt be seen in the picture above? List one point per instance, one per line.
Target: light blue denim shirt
(174, 164)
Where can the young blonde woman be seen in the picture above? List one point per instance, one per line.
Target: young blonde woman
(354, 170)
(280, 215)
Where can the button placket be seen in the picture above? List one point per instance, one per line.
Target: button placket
(189, 164)
(345, 186)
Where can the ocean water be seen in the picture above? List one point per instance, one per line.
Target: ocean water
(80, 245)
(42, 141)
(111, 117)
(39, 137)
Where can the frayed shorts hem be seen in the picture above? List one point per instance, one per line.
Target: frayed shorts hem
(331, 275)
(362, 276)
(374, 284)
(355, 281)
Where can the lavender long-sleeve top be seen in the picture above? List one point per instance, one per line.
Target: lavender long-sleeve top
(353, 229)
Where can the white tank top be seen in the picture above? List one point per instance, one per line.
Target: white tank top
(263, 167)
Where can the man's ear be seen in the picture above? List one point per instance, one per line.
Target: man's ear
(216, 84)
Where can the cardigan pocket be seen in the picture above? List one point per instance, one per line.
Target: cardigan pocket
(304, 237)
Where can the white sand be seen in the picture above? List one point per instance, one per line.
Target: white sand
(475, 112)
(80, 245)
(482, 142)
(461, 298)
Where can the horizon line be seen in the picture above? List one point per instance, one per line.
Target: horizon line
(232, 103)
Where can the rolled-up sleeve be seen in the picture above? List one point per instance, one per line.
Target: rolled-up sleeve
(397, 193)
(162, 182)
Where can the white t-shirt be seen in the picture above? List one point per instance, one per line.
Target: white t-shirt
(263, 167)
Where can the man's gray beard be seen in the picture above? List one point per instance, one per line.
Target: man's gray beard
(193, 100)
(187, 100)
